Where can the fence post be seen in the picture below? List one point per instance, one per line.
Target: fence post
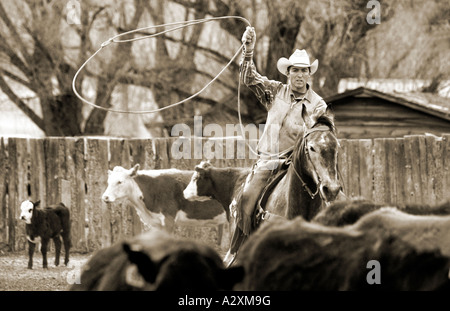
(3, 188)
(96, 180)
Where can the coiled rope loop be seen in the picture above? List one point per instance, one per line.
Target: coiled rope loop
(179, 25)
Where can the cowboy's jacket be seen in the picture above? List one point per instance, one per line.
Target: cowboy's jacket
(284, 119)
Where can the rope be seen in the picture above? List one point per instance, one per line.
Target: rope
(183, 24)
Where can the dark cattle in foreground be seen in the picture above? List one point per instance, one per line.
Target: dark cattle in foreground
(348, 212)
(48, 223)
(299, 255)
(156, 260)
(424, 232)
(157, 196)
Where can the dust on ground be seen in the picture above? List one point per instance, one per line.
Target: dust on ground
(15, 276)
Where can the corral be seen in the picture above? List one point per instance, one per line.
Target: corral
(74, 171)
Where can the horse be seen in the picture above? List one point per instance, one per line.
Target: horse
(310, 182)
(312, 175)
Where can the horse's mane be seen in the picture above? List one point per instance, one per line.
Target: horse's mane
(327, 120)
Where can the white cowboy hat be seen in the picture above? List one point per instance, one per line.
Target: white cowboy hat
(299, 59)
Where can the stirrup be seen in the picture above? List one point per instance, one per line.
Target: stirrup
(229, 259)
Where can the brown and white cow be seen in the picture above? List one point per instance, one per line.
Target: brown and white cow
(157, 196)
(221, 184)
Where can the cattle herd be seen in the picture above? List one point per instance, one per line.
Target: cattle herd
(349, 245)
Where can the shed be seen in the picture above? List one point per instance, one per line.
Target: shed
(368, 113)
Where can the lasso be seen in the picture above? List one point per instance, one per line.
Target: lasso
(115, 39)
(183, 24)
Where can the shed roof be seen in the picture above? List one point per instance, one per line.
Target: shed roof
(425, 102)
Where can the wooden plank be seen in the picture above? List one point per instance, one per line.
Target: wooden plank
(434, 168)
(426, 196)
(380, 191)
(342, 165)
(390, 171)
(446, 166)
(400, 171)
(353, 159)
(12, 192)
(149, 155)
(52, 168)
(3, 191)
(408, 185)
(75, 176)
(18, 190)
(161, 152)
(38, 179)
(22, 160)
(96, 180)
(137, 152)
(366, 168)
(412, 146)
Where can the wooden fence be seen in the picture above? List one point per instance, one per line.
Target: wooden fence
(74, 171)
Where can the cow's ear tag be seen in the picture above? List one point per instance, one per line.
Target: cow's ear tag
(133, 277)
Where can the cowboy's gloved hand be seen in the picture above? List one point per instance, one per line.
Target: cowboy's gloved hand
(249, 38)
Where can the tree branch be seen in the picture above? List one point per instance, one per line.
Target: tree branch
(13, 33)
(18, 79)
(20, 104)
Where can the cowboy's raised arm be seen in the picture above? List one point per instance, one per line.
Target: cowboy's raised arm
(263, 88)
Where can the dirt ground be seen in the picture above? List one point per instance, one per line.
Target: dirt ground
(15, 276)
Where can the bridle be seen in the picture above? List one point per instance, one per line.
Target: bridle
(321, 128)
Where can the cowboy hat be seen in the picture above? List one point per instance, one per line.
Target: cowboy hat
(298, 59)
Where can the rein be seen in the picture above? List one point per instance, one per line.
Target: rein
(322, 128)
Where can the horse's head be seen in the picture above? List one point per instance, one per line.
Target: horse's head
(199, 184)
(317, 152)
(121, 184)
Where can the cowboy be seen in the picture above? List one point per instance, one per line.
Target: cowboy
(284, 121)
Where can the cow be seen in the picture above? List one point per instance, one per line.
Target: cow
(51, 222)
(300, 255)
(156, 260)
(424, 232)
(221, 184)
(348, 212)
(157, 196)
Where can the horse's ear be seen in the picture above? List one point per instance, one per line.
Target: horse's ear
(36, 204)
(306, 118)
(134, 170)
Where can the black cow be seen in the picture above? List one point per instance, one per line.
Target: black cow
(299, 255)
(348, 212)
(48, 223)
(156, 260)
